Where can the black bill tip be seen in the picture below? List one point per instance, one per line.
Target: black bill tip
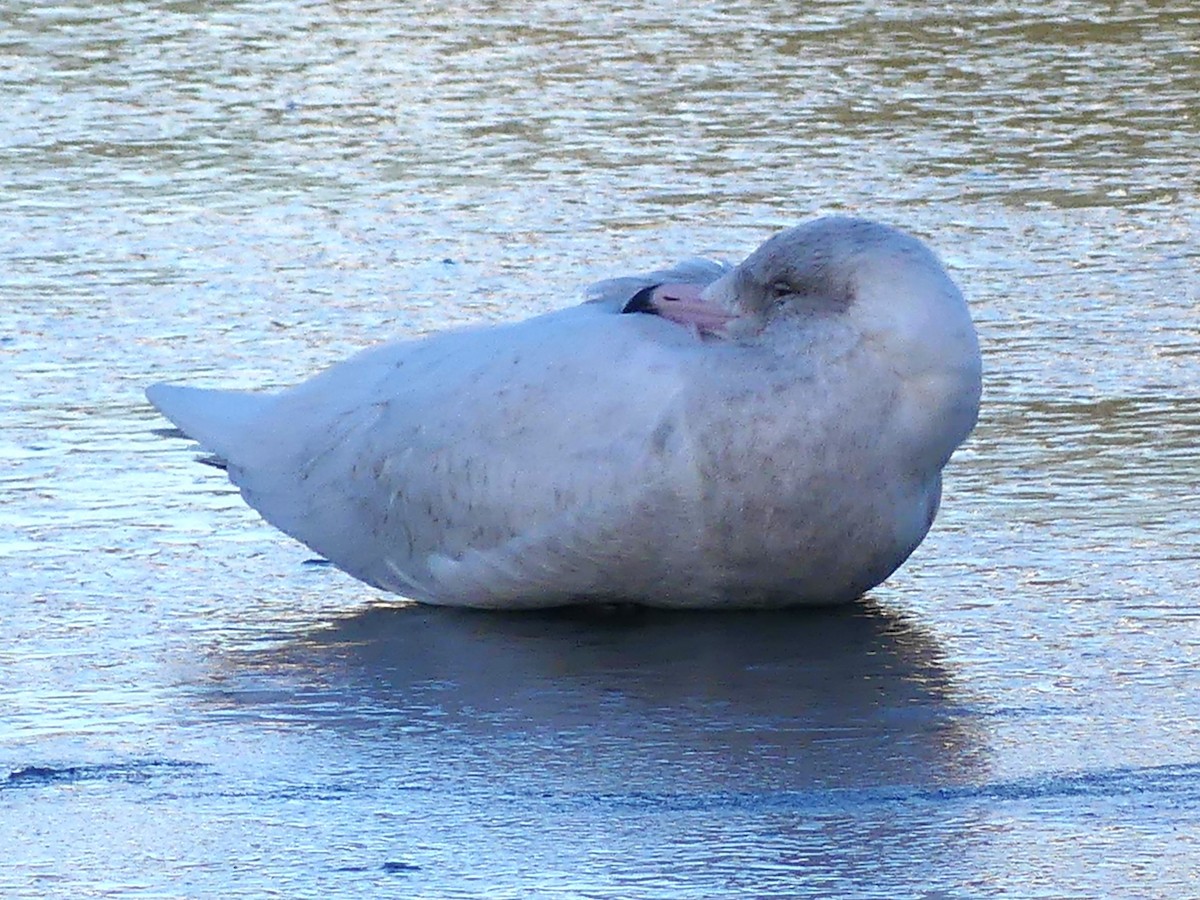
(641, 301)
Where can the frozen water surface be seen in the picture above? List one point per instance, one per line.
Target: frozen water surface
(242, 193)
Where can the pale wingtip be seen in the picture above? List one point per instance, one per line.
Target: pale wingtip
(218, 420)
(157, 393)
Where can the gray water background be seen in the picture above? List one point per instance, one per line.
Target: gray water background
(241, 193)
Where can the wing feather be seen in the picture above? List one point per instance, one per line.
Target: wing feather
(479, 464)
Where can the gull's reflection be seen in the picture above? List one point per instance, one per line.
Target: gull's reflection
(631, 700)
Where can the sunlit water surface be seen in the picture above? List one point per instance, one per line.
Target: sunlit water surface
(241, 193)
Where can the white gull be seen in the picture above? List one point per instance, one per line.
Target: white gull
(774, 435)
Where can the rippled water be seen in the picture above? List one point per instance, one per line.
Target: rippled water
(240, 193)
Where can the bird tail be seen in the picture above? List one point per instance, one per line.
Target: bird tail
(222, 422)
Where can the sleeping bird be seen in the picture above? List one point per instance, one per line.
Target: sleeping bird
(706, 436)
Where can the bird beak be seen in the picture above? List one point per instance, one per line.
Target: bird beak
(683, 304)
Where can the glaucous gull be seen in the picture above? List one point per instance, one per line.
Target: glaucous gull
(766, 434)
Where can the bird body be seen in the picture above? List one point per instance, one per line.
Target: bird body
(784, 448)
